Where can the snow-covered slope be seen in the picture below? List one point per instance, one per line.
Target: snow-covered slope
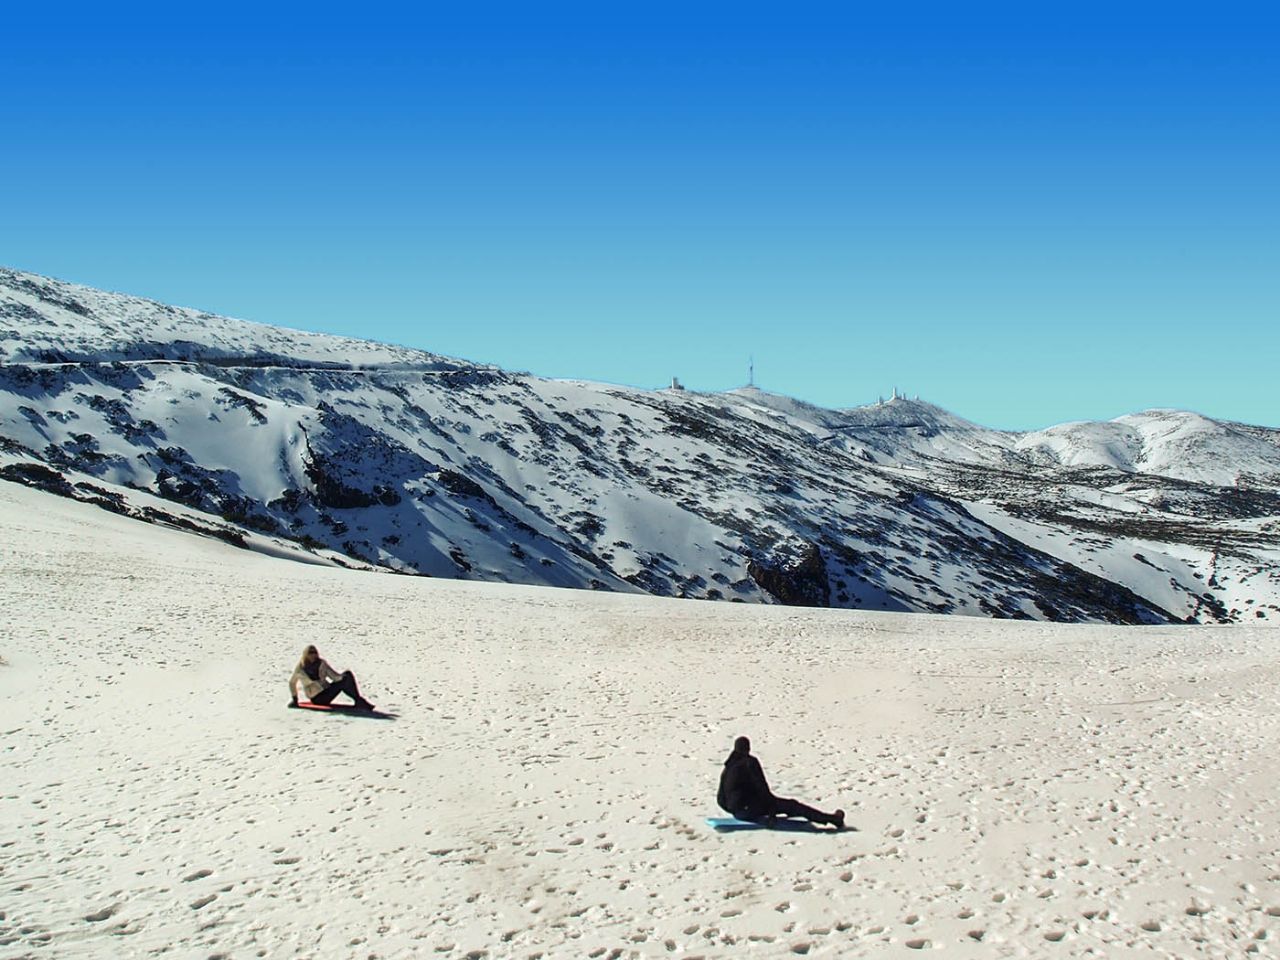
(43, 320)
(416, 463)
(1169, 443)
(1016, 790)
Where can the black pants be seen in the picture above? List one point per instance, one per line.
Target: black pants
(781, 807)
(344, 684)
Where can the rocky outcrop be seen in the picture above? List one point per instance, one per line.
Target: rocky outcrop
(795, 575)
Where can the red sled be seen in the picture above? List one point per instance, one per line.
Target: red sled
(345, 708)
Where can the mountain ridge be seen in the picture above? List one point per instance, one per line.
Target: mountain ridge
(409, 461)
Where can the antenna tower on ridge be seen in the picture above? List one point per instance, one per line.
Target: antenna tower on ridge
(751, 371)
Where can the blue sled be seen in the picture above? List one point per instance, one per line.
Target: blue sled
(728, 824)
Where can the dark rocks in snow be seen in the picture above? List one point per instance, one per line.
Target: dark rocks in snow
(119, 416)
(37, 475)
(22, 312)
(795, 575)
(31, 381)
(352, 466)
(331, 492)
(651, 582)
(120, 376)
(231, 399)
(463, 486)
(48, 292)
(584, 524)
(81, 451)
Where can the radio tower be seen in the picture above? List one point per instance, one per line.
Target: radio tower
(751, 371)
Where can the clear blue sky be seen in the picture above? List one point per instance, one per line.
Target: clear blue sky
(1025, 212)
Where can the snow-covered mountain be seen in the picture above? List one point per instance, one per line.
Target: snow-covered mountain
(398, 459)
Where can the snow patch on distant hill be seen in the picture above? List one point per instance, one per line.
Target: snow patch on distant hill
(1170, 443)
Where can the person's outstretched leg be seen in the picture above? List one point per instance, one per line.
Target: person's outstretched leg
(348, 682)
(794, 808)
(344, 684)
(325, 696)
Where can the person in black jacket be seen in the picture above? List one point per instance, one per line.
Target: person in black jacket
(745, 793)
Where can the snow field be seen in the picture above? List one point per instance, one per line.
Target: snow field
(1024, 790)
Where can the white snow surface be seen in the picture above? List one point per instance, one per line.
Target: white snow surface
(1012, 789)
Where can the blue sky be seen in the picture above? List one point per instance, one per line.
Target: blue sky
(1025, 212)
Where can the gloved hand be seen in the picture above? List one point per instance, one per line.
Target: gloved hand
(293, 702)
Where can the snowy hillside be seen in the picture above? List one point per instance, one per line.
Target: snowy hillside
(1012, 789)
(43, 320)
(407, 461)
(1167, 443)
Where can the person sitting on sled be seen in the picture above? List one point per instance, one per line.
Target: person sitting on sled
(321, 683)
(745, 793)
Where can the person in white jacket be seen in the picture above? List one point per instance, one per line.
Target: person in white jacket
(321, 683)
